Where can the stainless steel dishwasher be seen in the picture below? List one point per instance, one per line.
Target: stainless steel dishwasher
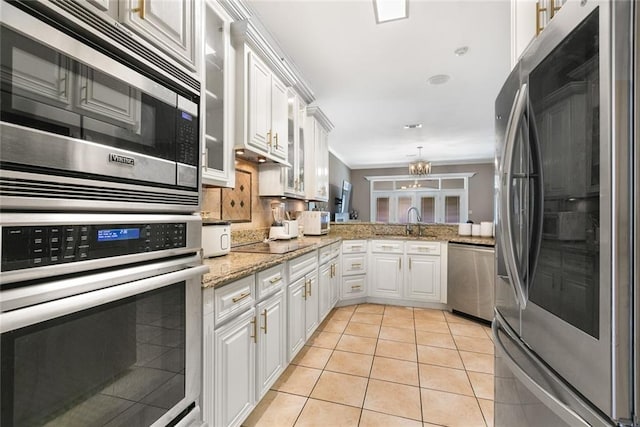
(470, 279)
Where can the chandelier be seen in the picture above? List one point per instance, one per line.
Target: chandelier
(419, 167)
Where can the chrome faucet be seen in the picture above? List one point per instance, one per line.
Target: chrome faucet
(413, 208)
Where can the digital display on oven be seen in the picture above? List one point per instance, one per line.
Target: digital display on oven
(109, 235)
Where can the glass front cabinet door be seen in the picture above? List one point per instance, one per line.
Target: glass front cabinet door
(218, 158)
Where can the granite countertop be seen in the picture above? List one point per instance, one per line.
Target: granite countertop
(236, 265)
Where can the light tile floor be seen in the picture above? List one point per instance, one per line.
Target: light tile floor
(376, 365)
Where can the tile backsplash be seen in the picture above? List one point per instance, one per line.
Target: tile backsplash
(258, 228)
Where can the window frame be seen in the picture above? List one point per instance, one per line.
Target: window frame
(416, 193)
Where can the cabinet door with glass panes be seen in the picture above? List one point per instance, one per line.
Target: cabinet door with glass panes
(426, 200)
(294, 183)
(218, 165)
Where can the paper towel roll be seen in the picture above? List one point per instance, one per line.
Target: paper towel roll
(475, 229)
(486, 229)
(464, 229)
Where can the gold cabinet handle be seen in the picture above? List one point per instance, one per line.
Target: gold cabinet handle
(275, 279)
(356, 265)
(276, 139)
(539, 10)
(140, 8)
(269, 138)
(255, 330)
(356, 287)
(309, 287)
(241, 297)
(399, 263)
(409, 263)
(264, 313)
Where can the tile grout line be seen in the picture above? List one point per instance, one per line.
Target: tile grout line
(468, 378)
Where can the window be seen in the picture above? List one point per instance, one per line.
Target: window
(438, 198)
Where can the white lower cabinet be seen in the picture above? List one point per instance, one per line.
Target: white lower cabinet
(410, 270)
(423, 278)
(234, 373)
(296, 302)
(311, 307)
(386, 275)
(272, 339)
(302, 301)
(244, 345)
(353, 270)
(324, 288)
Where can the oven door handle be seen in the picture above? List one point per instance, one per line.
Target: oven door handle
(38, 313)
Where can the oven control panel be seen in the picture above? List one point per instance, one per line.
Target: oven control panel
(36, 246)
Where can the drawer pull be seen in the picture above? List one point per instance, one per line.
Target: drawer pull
(275, 280)
(356, 287)
(424, 249)
(356, 265)
(241, 297)
(386, 247)
(353, 248)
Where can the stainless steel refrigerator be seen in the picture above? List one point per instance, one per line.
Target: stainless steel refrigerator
(566, 316)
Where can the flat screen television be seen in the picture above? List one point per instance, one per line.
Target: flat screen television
(345, 198)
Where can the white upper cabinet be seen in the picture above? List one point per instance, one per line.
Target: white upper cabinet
(277, 180)
(317, 155)
(265, 110)
(528, 19)
(217, 83)
(168, 24)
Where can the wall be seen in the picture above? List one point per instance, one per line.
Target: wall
(338, 172)
(480, 188)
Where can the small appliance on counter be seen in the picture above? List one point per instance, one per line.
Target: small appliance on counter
(216, 238)
(315, 223)
(282, 229)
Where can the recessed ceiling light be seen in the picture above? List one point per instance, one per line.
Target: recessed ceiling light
(438, 79)
(461, 50)
(413, 126)
(390, 10)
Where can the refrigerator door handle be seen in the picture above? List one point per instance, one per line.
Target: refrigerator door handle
(506, 172)
(551, 402)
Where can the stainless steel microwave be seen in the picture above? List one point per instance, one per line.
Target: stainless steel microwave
(85, 124)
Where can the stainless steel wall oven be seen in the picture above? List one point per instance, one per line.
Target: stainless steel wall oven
(100, 339)
(88, 121)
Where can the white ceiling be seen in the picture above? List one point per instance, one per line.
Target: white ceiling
(371, 79)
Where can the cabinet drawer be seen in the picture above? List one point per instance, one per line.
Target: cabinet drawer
(354, 246)
(354, 286)
(354, 264)
(387, 246)
(232, 299)
(328, 252)
(300, 266)
(269, 281)
(427, 248)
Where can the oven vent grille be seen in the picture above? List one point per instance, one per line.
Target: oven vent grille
(121, 36)
(10, 188)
